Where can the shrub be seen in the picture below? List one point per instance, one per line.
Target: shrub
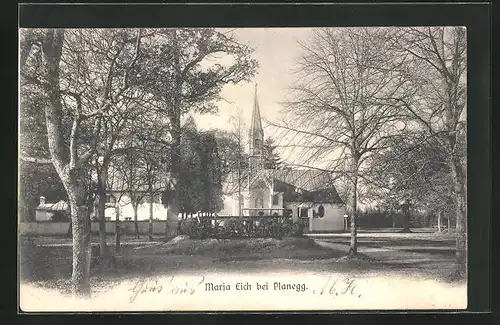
(236, 228)
(292, 229)
(266, 227)
(194, 229)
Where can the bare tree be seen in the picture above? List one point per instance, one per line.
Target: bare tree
(238, 133)
(85, 77)
(103, 61)
(128, 166)
(413, 169)
(337, 117)
(142, 166)
(439, 69)
(68, 155)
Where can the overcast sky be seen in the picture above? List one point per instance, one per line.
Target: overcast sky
(275, 49)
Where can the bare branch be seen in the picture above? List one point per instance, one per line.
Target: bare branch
(42, 161)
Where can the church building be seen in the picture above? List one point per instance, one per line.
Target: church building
(299, 193)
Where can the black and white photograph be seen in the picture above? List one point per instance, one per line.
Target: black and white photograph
(242, 169)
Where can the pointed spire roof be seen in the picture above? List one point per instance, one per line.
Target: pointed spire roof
(256, 126)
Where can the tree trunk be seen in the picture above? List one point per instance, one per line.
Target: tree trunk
(117, 230)
(172, 220)
(81, 251)
(151, 217)
(239, 174)
(69, 234)
(65, 163)
(429, 220)
(175, 120)
(80, 221)
(136, 222)
(102, 183)
(406, 221)
(459, 179)
(102, 222)
(174, 204)
(440, 215)
(353, 249)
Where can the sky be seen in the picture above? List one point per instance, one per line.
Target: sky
(275, 49)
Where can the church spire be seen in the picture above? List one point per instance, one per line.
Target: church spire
(256, 133)
(256, 126)
(256, 137)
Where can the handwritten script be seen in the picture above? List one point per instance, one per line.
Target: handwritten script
(336, 287)
(169, 286)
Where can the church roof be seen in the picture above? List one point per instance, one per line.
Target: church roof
(59, 206)
(296, 184)
(306, 179)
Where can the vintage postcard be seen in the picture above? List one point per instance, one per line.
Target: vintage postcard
(243, 169)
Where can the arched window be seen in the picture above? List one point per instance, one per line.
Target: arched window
(259, 202)
(257, 145)
(321, 211)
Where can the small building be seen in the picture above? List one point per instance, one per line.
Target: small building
(47, 211)
(299, 193)
(145, 209)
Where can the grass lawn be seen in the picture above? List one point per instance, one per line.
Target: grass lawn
(412, 255)
(387, 263)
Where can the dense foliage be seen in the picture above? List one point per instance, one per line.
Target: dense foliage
(240, 228)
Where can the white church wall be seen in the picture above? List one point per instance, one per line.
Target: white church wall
(127, 210)
(333, 220)
(43, 215)
(229, 205)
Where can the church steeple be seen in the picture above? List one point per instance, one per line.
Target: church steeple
(256, 138)
(256, 133)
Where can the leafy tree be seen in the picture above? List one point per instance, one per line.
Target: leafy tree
(212, 173)
(272, 159)
(181, 75)
(191, 173)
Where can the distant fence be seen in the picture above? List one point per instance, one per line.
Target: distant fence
(61, 228)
